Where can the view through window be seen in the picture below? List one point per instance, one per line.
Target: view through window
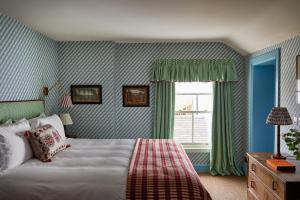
(193, 116)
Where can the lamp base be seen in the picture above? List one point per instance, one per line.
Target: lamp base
(279, 157)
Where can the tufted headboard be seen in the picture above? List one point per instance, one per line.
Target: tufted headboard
(16, 110)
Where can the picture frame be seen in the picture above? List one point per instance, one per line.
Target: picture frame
(86, 94)
(298, 77)
(136, 96)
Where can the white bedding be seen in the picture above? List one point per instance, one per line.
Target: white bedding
(90, 169)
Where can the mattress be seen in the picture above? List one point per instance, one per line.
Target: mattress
(90, 169)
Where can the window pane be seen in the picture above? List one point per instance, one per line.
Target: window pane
(193, 102)
(183, 128)
(202, 127)
(194, 87)
(205, 102)
(191, 126)
(183, 102)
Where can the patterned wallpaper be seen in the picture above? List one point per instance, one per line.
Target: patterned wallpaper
(28, 60)
(289, 50)
(90, 63)
(114, 65)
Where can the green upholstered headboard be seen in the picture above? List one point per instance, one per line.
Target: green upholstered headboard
(16, 110)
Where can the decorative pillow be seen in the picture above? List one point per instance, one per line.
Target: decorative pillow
(45, 142)
(54, 121)
(14, 147)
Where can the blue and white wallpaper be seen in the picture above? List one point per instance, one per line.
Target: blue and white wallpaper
(89, 63)
(288, 86)
(113, 65)
(28, 61)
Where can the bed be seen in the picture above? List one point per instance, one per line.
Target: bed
(101, 168)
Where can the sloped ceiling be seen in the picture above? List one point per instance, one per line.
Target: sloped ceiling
(245, 25)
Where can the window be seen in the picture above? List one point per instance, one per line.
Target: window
(193, 114)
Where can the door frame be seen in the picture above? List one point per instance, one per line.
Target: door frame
(254, 61)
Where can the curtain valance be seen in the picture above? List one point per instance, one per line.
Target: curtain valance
(192, 70)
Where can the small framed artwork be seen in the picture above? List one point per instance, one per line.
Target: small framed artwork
(135, 96)
(298, 77)
(86, 94)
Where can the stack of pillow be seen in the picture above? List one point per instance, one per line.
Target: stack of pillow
(41, 137)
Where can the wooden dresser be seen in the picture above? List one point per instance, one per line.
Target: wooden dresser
(264, 183)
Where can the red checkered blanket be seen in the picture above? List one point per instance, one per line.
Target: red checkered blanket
(160, 169)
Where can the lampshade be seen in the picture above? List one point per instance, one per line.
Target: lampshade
(279, 116)
(66, 119)
(66, 102)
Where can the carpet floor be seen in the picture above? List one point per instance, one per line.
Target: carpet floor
(225, 187)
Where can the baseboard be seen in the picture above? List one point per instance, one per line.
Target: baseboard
(205, 168)
(201, 168)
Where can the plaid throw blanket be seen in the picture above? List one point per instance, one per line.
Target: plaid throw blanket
(160, 169)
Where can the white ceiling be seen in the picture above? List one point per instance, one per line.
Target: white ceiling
(245, 25)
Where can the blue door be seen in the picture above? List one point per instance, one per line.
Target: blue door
(263, 89)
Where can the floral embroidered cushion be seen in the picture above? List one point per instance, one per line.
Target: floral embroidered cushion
(45, 142)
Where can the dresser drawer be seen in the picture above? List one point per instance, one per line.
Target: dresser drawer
(257, 187)
(273, 183)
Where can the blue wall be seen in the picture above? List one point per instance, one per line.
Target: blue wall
(113, 65)
(28, 61)
(288, 86)
(262, 139)
(90, 63)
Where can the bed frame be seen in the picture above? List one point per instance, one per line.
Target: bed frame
(16, 110)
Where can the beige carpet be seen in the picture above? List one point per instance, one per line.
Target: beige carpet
(225, 187)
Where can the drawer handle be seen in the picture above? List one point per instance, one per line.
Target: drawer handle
(253, 167)
(274, 185)
(252, 184)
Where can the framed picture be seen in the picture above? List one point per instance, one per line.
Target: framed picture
(135, 95)
(298, 77)
(86, 94)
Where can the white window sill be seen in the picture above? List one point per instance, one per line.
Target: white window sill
(196, 148)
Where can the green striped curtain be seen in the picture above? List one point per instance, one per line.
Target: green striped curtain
(191, 70)
(166, 72)
(222, 159)
(164, 110)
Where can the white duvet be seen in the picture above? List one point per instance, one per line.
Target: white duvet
(91, 169)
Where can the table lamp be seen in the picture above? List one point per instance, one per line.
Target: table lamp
(279, 116)
(66, 119)
(66, 102)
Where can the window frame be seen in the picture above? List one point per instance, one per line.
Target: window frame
(194, 146)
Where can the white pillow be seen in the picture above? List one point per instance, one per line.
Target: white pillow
(34, 121)
(14, 147)
(20, 120)
(8, 122)
(54, 121)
